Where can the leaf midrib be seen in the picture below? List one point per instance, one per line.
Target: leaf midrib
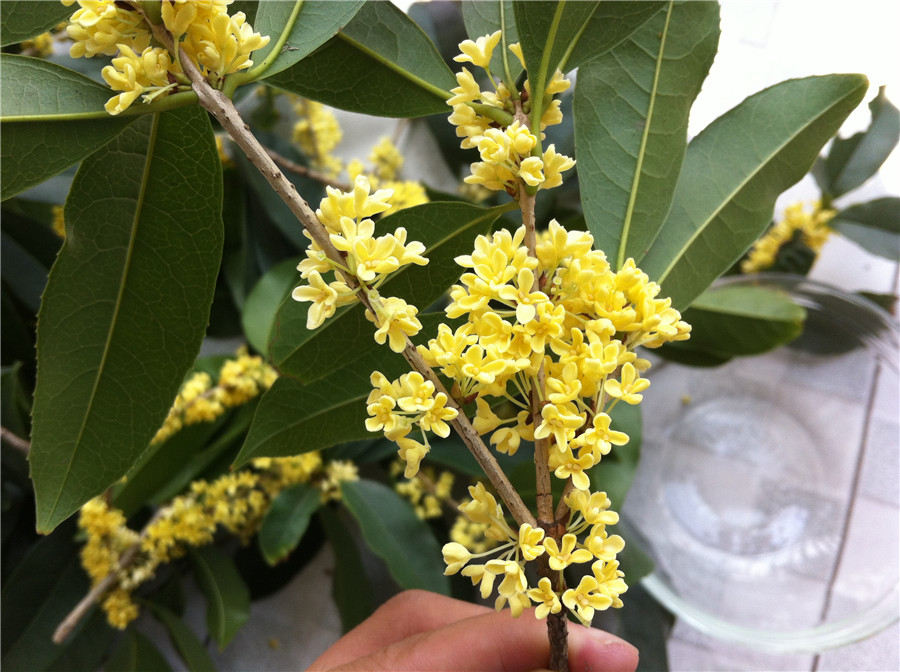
(148, 160)
(740, 187)
(645, 137)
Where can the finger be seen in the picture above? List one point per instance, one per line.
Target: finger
(406, 614)
(496, 641)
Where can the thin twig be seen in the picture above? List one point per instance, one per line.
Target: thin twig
(64, 629)
(294, 167)
(15, 441)
(557, 625)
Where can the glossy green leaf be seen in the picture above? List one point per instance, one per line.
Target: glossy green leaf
(126, 305)
(156, 467)
(396, 535)
(484, 18)
(547, 30)
(381, 63)
(51, 118)
(733, 172)
(185, 641)
(739, 321)
(631, 117)
(286, 521)
(446, 229)
(613, 22)
(136, 653)
(351, 587)
(852, 161)
(261, 306)
(874, 226)
(213, 459)
(36, 597)
(227, 597)
(24, 19)
(313, 23)
(294, 417)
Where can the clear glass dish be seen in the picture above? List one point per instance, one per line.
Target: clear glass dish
(768, 487)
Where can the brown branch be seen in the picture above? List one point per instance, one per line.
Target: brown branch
(222, 108)
(298, 169)
(64, 629)
(557, 628)
(15, 441)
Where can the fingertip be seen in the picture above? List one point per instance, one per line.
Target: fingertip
(599, 650)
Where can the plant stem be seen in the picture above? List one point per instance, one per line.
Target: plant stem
(15, 441)
(222, 108)
(557, 631)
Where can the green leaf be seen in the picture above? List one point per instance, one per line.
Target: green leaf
(36, 597)
(631, 117)
(735, 321)
(613, 22)
(286, 521)
(447, 229)
(136, 653)
(188, 645)
(733, 172)
(263, 302)
(485, 18)
(314, 23)
(852, 161)
(227, 597)
(396, 535)
(126, 305)
(351, 588)
(547, 30)
(874, 226)
(51, 118)
(157, 466)
(381, 63)
(24, 19)
(294, 417)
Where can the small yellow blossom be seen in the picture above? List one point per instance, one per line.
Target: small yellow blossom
(478, 52)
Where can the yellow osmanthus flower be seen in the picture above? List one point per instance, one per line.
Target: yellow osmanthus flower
(368, 259)
(507, 153)
(318, 132)
(567, 312)
(199, 400)
(234, 502)
(812, 225)
(219, 44)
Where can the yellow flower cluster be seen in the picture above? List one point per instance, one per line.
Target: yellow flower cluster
(318, 132)
(219, 44)
(812, 226)
(426, 491)
(396, 406)
(509, 154)
(370, 260)
(589, 513)
(235, 502)
(563, 324)
(386, 162)
(199, 400)
(40, 46)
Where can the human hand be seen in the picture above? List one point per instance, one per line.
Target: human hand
(418, 631)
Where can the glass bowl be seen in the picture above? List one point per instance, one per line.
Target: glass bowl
(767, 491)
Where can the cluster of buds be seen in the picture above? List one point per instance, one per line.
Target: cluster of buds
(811, 225)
